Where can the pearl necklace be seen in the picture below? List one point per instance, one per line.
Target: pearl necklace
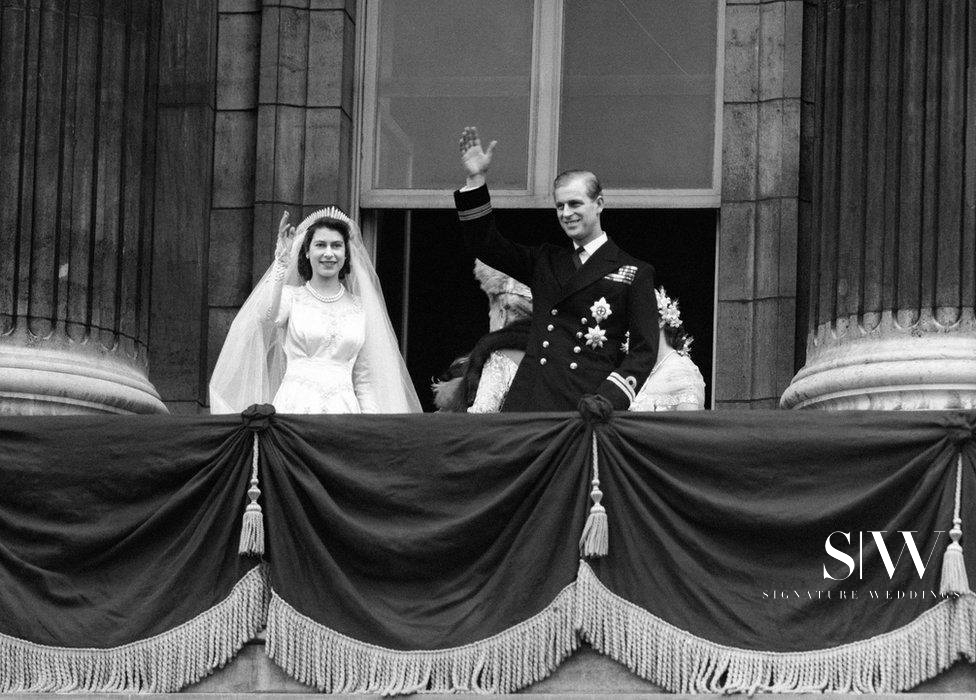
(327, 300)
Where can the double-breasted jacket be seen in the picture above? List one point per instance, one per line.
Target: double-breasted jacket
(594, 329)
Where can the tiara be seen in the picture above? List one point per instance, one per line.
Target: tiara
(668, 309)
(327, 213)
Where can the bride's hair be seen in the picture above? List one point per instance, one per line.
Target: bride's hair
(304, 266)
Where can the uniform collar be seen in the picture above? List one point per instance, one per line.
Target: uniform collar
(593, 245)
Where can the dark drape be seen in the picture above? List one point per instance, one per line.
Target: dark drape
(433, 533)
(714, 516)
(115, 529)
(423, 532)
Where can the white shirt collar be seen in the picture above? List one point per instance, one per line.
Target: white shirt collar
(593, 246)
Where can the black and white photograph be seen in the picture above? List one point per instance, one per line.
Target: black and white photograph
(566, 347)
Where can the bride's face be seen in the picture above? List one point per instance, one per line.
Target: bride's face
(326, 253)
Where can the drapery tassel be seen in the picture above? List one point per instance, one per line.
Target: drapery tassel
(595, 541)
(252, 528)
(955, 582)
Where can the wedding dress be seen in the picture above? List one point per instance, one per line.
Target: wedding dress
(324, 372)
(314, 355)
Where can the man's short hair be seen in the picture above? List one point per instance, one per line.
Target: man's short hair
(593, 187)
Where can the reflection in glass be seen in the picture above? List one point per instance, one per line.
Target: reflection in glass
(443, 66)
(638, 92)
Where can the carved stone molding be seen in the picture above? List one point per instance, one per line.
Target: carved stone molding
(57, 375)
(893, 365)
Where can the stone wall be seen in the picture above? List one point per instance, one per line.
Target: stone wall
(754, 354)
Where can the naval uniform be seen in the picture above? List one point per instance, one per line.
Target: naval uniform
(594, 329)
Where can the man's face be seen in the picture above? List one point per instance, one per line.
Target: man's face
(578, 214)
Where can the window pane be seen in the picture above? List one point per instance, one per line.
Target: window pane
(638, 92)
(443, 66)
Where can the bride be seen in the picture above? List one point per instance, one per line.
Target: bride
(314, 335)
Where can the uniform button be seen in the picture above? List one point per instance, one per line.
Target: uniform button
(554, 312)
(550, 327)
(584, 319)
(542, 361)
(579, 334)
(573, 365)
(577, 349)
(545, 343)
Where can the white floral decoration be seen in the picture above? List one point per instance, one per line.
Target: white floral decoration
(668, 310)
(601, 309)
(625, 346)
(685, 348)
(596, 337)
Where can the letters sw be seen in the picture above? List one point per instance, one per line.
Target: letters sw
(848, 560)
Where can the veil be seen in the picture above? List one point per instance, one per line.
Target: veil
(251, 364)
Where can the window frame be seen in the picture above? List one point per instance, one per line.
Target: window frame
(544, 117)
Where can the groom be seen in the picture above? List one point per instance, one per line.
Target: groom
(594, 321)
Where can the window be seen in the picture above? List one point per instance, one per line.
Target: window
(626, 88)
(630, 89)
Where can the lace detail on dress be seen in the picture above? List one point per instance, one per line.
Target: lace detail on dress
(674, 381)
(664, 402)
(496, 378)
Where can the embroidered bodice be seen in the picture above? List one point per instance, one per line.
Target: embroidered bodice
(322, 341)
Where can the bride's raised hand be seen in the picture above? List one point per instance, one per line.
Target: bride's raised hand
(286, 233)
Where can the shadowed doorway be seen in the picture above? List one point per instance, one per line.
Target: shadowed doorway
(439, 312)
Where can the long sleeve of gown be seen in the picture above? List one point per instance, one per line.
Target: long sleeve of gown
(364, 386)
(275, 313)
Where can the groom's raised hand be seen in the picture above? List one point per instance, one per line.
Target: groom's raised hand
(474, 158)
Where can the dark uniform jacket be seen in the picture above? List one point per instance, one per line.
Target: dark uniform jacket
(580, 318)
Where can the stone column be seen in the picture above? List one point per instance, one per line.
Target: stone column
(888, 234)
(77, 102)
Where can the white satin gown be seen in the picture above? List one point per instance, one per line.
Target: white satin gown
(324, 372)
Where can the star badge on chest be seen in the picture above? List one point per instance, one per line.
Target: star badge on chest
(601, 309)
(596, 337)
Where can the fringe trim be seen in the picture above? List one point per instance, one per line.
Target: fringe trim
(160, 664)
(332, 662)
(684, 663)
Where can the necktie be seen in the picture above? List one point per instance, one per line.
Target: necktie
(577, 257)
